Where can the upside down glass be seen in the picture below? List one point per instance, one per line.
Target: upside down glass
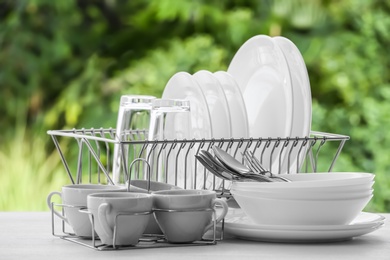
(134, 114)
(170, 120)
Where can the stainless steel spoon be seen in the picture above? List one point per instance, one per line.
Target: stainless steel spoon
(253, 166)
(220, 168)
(209, 166)
(229, 161)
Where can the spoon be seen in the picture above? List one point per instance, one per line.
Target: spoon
(220, 168)
(209, 166)
(222, 174)
(229, 161)
(217, 164)
(208, 157)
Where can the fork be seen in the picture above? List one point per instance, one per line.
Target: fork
(254, 164)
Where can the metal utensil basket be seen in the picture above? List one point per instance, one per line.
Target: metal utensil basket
(89, 157)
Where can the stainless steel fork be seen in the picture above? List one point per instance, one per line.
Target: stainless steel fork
(254, 164)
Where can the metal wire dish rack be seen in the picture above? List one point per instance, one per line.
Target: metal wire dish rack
(88, 157)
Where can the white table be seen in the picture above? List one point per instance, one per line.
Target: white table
(27, 235)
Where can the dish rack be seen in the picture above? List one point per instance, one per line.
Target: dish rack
(146, 240)
(90, 160)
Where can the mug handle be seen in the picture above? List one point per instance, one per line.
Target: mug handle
(102, 212)
(223, 214)
(48, 201)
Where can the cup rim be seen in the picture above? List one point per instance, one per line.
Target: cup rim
(183, 193)
(119, 195)
(93, 187)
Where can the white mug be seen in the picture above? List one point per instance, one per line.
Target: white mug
(74, 197)
(185, 215)
(127, 213)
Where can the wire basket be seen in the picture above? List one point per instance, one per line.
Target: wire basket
(90, 156)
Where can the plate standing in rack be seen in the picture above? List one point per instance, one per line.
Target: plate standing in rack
(302, 111)
(216, 102)
(219, 114)
(238, 115)
(262, 74)
(183, 86)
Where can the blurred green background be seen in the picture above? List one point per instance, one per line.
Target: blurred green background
(65, 64)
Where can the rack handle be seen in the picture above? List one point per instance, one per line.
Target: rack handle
(147, 172)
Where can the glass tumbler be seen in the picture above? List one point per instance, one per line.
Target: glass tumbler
(134, 114)
(170, 120)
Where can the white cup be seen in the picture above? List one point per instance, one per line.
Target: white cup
(74, 197)
(120, 218)
(185, 215)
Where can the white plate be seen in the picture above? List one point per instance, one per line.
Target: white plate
(217, 104)
(237, 224)
(183, 86)
(262, 74)
(302, 111)
(238, 115)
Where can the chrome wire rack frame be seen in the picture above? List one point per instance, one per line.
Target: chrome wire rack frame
(173, 161)
(145, 241)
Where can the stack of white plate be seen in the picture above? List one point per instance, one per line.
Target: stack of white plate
(264, 93)
(217, 111)
(217, 106)
(275, 86)
(310, 202)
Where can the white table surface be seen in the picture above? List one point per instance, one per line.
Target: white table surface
(27, 235)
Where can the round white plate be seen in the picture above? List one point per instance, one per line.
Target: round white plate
(302, 111)
(299, 236)
(217, 104)
(238, 115)
(183, 86)
(262, 74)
(237, 224)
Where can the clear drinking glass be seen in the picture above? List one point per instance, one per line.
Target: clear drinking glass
(170, 119)
(134, 114)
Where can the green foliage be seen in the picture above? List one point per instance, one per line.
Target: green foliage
(65, 64)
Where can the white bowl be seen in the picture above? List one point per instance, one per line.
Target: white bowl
(287, 189)
(302, 195)
(301, 180)
(301, 212)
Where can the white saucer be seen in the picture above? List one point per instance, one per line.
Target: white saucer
(240, 226)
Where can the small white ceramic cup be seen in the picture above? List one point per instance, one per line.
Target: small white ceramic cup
(120, 218)
(142, 186)
(185, 215)
(74, 197)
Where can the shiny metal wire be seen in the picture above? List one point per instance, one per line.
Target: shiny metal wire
(146, 241)
(174, 159)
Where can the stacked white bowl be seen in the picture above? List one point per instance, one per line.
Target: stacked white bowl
(309, 199)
